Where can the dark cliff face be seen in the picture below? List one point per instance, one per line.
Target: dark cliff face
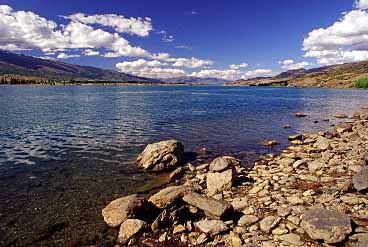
(16, 64)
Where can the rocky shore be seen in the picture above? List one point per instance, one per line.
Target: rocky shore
(312, 194)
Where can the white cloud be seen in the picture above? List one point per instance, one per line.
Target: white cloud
(165, 36)
(344, 41)
(190, 62)
(361, 4)
(289, 64)
(90, 52)
(183, 47)
(22, 30)
(146, 68)
(228, 74)
(138, 26)
(238, 66)
(66, 56)
(257, 73)
(135, 66)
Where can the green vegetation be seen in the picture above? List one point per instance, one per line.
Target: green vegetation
(362, 83)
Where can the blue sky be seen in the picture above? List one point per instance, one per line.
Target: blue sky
(199, 38)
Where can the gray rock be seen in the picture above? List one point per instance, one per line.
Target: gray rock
(322, 143)
(123, 208)
(329, 226)
(247, 220)
(169, 195)
(361, 240)
(129, 228)
(292, 238)
(177, 173)
(161, 156)
(268, 223)
(220, 164)
(360, 180)
(212, 227)
(218, 182)
(212, 207)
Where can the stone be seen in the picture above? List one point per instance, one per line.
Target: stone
(299, 114)
(177, 173)
(211, 207)
(169, 195)
(295, 200)
(340, 115)
(117, 211)
(211, 227)
(220, 164)
(298, 163)
(218, 182)
(268, 223)
(247, 220)
(315, 165)
(292, 239)
(360, 180)
(322, 143)
(295, 137)
(329, 226)
(269, 143)
(129, 228)
(179, 229)
(285, 161)
(161, 156)
(283, 211)
(361, 239)
(240, 204)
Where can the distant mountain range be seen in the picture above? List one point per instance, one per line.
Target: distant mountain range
(335, 76)
(22, 65)
(195, 80)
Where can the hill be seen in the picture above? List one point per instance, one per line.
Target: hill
(33, 67)
(195, 80)
(335, 76)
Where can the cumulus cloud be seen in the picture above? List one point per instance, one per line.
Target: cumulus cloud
(66, 56)
(146, 68)
(137, 26)
(289, 64)
(257, 73)
(165, 36)
(344, 41)
(238, 66)
(361, 4)
(90, 52)
(190, 62)
(135, 66)
(21, 30)
(228, 74)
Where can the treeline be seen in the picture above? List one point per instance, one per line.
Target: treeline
(20, 81)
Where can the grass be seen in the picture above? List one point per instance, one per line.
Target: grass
(362, 83)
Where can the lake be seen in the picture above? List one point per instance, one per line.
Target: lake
(65, 151)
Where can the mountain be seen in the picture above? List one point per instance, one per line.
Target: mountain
(22, 65)
(335, 76)
(195, 80)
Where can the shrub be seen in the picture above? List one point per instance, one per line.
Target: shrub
(362, 83)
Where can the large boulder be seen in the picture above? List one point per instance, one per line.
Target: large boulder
(217, 182)
(360, 180)
(161, 156)
(129, 229)
(329, 226)
(322, 143)
(223, 163)
(169, 195)
(117, 211)
(212, 208)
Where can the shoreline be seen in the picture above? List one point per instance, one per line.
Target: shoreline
(269, 202)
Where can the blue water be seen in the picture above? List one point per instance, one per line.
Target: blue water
(112, 124)
(66, 151)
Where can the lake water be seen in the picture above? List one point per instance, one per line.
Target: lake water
(65, 151)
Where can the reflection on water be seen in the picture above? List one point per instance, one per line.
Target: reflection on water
(71, 149)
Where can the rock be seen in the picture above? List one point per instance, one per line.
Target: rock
(161, 156)
(340, 115)
(361, 240)
(240, 204)
(315, 165)
(269, 143)
(360, 180)
(129, 228)
(295, 137)
(212, 227)
(268, 223)
(169, 195)
(218, 182)
(177, 173)
(292, 239)
(329, 226)
(247, 220)
(299, 114)
(286, 126)
(117, 211)
(179, 229)
(212, 207)
(220, 164)
(322, 143)
(234, 240)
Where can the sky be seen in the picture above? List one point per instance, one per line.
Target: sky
(230, 39)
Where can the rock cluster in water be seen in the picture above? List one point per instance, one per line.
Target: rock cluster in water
(313, 194)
